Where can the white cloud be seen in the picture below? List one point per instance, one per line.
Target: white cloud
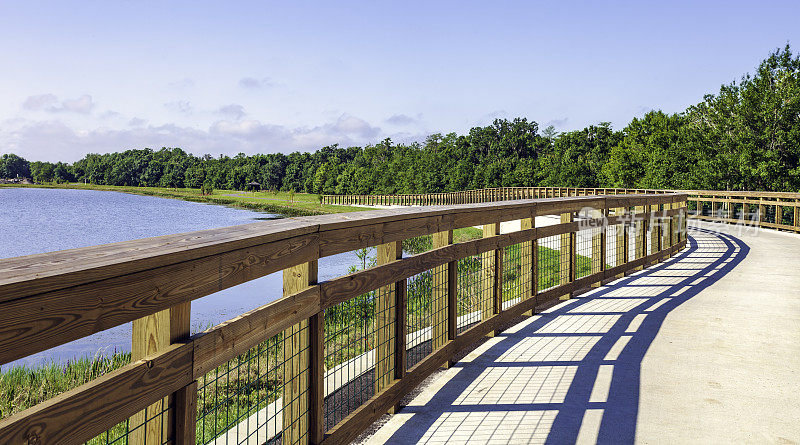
(180, 106)
(54, 140)
(401, 119)
(186, 82)
(234, 111)
(49, 102)
(252, 83)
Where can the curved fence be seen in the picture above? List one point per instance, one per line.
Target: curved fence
(775, 210)
(322, 363)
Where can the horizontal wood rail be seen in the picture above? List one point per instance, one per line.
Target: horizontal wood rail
(51, 299)
(715, 205)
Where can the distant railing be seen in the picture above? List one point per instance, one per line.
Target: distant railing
(775, 210)
(322, 363)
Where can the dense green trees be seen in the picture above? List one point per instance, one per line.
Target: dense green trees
(746, 137)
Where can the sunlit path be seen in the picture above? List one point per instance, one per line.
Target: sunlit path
(702, 348)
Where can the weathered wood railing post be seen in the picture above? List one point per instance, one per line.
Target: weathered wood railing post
(529, 257)
(639, 232)
(491, 262)
(598, 244)
(152, 334)
(296, 355)
(620, 232)
(388, 319)
(654, 226)
(440, 308)
(567, 255)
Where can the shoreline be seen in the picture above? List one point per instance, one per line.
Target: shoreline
(303, 205)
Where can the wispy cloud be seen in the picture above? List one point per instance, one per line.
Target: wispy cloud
(180, 106)
(54, 140)
(402, 119)
(252, 83)
(50, 103)
(557, 123)
(186, 82)
(234, 111)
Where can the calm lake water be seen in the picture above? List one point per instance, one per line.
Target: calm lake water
(46, 220)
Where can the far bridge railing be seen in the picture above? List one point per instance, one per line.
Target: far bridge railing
(322, 363)
(775, 210)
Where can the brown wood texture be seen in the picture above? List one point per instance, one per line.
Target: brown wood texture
(89, 410)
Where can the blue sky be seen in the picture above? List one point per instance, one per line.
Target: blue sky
(229, 77)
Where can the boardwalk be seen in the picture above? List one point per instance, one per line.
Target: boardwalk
(704, 348)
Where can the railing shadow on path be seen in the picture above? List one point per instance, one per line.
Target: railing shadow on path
(577, 363)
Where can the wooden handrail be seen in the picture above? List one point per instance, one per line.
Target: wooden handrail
(50, 299)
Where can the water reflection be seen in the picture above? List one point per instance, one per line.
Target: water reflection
(42, 220)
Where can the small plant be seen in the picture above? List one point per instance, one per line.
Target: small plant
(291, 198)
(320, 198)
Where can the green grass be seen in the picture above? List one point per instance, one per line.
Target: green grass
(284, 203)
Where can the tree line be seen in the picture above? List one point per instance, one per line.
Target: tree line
(744, 137)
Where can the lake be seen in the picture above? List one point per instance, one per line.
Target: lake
(36, 220)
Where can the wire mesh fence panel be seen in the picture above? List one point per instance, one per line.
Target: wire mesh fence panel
(550, 262)
(350, 353)
(516, 279)
(258, 397)
(426, 314)
(149, 426)
(587, 261)
(612, 258)
(473, 291)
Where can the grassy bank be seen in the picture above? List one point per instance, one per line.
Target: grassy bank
(284, 203)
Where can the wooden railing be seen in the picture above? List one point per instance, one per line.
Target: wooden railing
(775, 210)
(54, 298)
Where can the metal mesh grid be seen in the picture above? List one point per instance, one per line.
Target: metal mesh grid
(517, 268)
(150, 426)
(549, 264)
(351, 337)
(247, 399)
(587, 261)
(473, 293)
(426, 314)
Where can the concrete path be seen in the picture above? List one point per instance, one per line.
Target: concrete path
(704, 348)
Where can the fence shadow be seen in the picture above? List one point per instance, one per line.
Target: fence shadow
(579, 362)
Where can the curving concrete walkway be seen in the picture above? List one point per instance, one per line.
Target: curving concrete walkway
(703, 348)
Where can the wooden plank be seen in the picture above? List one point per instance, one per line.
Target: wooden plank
(80, 414)
(316, 390)
(45, 272)
(186, 414)
(385, 319)
(43, 321)
(296, 356)
(151, 335)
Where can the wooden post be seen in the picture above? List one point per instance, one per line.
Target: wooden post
(528, 260)
(796, 220)
(639, 234)
(439, 307)
(491, 278)
(598, 241)
(150, 335)
(296, 354)
(567, 256)
(386, 320)
(761, 212)
(622, 238)
(653, 225)
(316, 368)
